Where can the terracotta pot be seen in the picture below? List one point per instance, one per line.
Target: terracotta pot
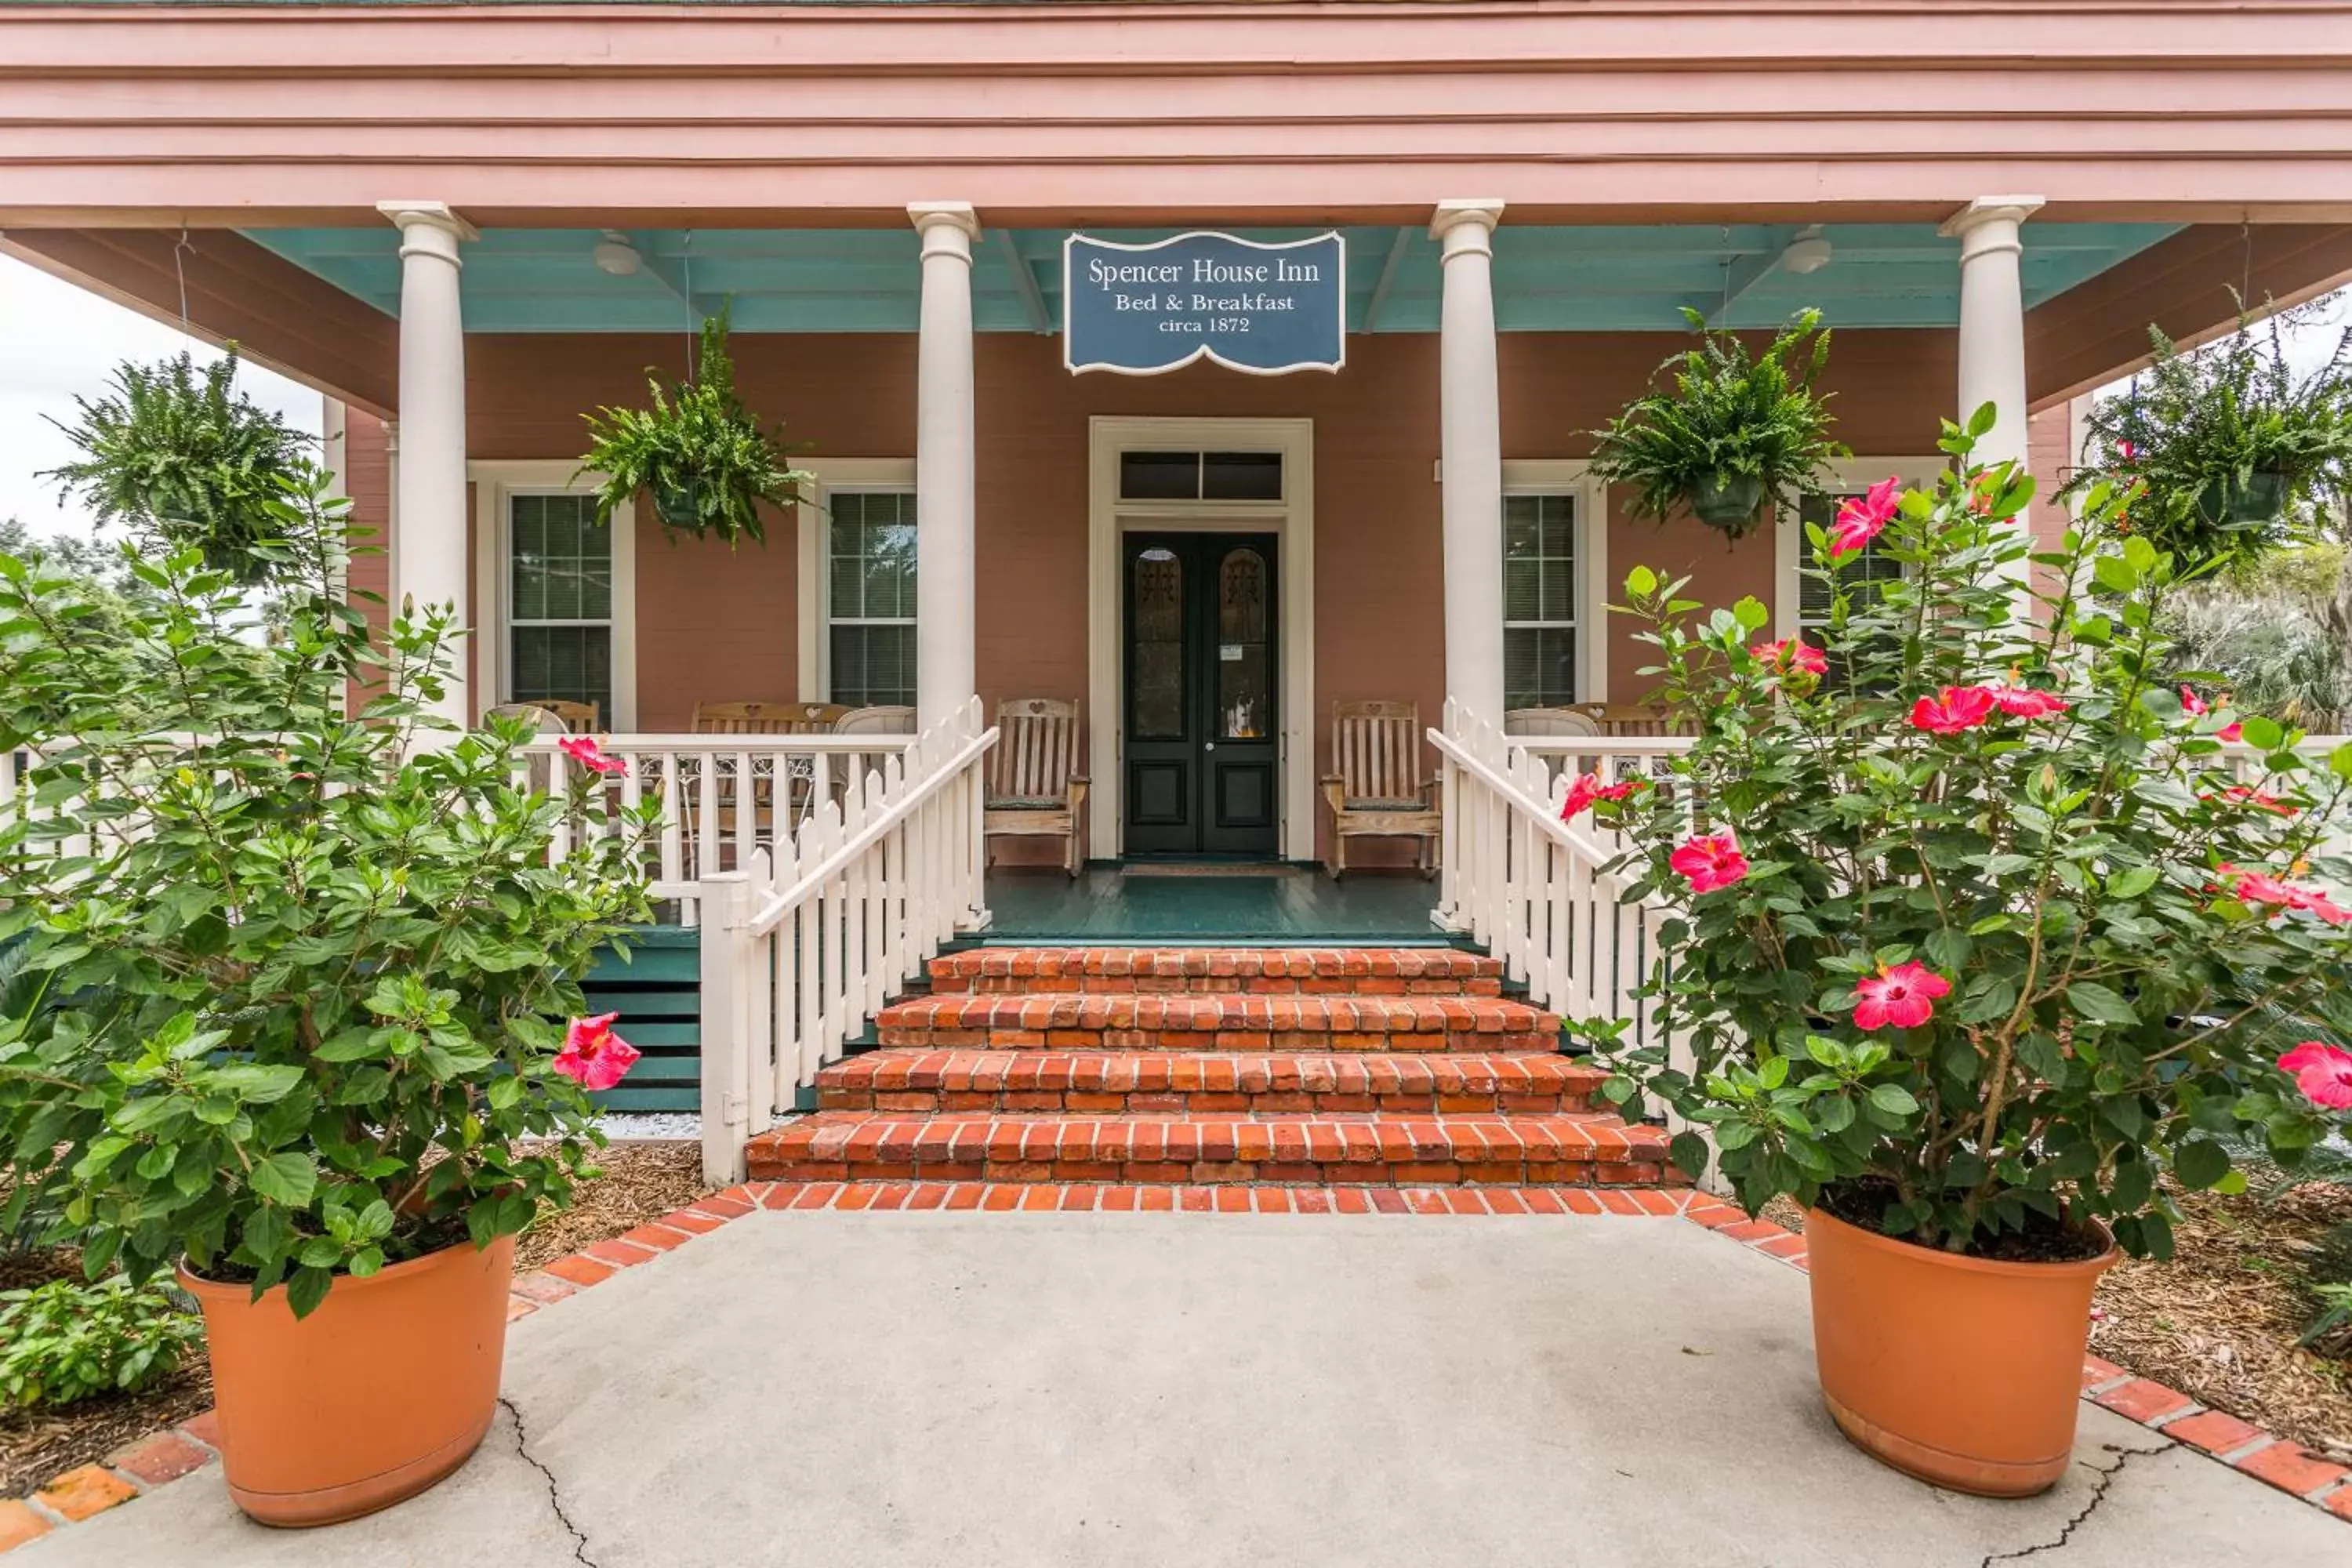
(1960, 1370)
(383, 1390)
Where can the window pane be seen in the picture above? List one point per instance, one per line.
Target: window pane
(1158, 619)
(1538, 667)
(1240, 475)
(1160, 476)
(573, 664)
(1522, 590)
(873, 664)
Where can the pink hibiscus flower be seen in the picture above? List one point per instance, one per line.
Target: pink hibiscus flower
(2025, 702)
(2323, 1072)
(1793, 653)
(2194, 706)
(1709, 863)
(1904, 997)
(1865, 517)
(584, 750)
(2261, 887)
(1953, 709)
(593, 1055)
(2259, 799)
(1586, 788)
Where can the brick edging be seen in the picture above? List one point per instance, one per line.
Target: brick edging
(2242, 1446)
(165, 1455)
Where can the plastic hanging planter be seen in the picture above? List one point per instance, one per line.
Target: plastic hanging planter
(1728, 502)
(2243, 497)
(674, 504)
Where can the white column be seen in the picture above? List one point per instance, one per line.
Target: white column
(945, 617)
(1470, 459)
(1992, 321)
(429, 560)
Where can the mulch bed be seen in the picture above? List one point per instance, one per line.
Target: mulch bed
(641, 1182)
(2219, 1322)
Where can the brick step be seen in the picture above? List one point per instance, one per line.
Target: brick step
(1207, 1081)
(1584, 1149)
(1487, 1025)
(1258, 971)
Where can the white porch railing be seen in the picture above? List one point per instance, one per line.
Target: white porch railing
(722, 796)
(803, 942)
(1533, 889)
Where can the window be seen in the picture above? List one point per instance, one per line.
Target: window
(1200, 476)
(870, 614)
(1539, 600)
(559, 602)
(1860, 574)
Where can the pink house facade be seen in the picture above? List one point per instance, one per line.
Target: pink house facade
(469, 225)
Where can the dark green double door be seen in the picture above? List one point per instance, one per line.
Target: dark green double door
(1204, 750)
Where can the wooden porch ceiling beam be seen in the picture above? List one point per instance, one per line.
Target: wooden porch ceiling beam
(1025, 284)
(1398, 246)
(2097, 331)
(1747, 272)
(276, 314)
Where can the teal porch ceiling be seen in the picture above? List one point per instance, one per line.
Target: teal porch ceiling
(1545, 279)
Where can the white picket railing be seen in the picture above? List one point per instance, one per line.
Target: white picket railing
(801, 945)
(1534, 890)
(723, 796)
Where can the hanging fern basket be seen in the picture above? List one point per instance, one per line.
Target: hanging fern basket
(1728, 502)
(674, 504)
(2243, 499)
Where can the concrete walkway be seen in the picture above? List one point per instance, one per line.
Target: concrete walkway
(957, 1390)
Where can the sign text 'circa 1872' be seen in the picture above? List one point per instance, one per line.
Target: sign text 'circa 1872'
(1265, 307)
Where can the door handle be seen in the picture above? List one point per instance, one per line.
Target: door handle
(1209, 746)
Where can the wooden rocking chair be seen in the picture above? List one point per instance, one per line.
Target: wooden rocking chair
(1376, 794)
(1034, 789)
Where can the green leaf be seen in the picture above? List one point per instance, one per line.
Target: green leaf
(2199, 1163)
(2097, 1003)
(2131, 882)
(2115, 575)
(1895, 1099)
(289, 1179)
(305, 1289)
(1641, 583)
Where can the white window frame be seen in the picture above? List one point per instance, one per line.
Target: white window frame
(495, 484)
(1789, 548)
(813, 591)
(1574, 477)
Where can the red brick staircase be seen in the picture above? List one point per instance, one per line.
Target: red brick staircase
(1316, 1067)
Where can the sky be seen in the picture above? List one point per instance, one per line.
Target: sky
(58, 341)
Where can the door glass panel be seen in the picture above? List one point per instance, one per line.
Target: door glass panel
(1159, 652)
(1240, 475)
(1244, 706)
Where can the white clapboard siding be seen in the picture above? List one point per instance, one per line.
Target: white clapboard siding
(804, 942)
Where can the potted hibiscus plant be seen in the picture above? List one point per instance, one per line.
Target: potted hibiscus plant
(300, 997)
(1736, 429)
(1976, 950)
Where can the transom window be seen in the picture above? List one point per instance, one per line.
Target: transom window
(870, 612)
(1539, 600)
(559, 602)
(1200, 476)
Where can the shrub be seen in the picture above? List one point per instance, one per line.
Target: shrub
(1974, 943)
(320, 960)
(65, 1341)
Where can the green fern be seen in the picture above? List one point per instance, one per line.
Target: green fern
(182, 451)
(707, 463)
(1729, 416)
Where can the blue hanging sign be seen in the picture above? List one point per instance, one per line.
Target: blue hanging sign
(1268, 309)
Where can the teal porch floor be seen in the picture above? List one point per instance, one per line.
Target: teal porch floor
(1304, 907)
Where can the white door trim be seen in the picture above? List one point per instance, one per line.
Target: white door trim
(1292, 519)
(494, 481)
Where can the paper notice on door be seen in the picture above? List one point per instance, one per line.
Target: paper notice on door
(1230, 652)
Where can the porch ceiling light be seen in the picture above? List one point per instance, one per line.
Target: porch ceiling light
(616, 255)
(1808, 252)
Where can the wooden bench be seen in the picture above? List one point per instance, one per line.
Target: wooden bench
(1378, 792)
(1034, 789)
